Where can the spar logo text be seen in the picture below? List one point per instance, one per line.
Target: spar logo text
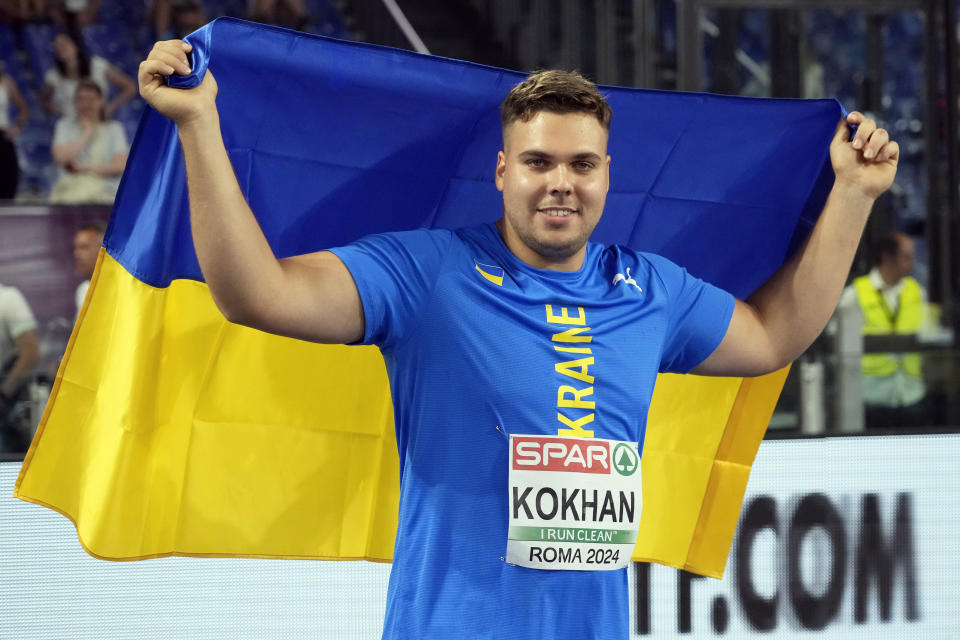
(571, 455)
(559, 454)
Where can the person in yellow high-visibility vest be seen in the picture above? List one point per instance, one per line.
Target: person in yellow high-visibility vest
(891, 302)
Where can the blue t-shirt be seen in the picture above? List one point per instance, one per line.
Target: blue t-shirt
(479, 345)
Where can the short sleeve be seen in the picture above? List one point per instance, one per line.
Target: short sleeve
(848, 299)
(99, 68)
(15, 313)
(395, 274)
(117, 142)
(61, 133)
(81, 294)
(698, 317)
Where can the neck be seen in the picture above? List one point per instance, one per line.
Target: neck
(534, 259)
(889, 277)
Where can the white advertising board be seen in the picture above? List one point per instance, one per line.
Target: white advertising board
(839, 538)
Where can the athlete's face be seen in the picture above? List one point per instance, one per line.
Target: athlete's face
(554, 173)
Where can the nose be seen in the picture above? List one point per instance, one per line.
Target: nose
(559, 180)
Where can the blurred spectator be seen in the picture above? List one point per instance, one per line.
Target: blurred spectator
(9, 165)
(176, 18)
(75, 14)
(890, 301)
(73, 64)
(285, 13)
(90, 150)
(18, 357)
(25, 10)
(86, 248)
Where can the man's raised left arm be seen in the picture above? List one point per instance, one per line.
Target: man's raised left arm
(785, 315)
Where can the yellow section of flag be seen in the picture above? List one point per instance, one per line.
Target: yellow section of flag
(702, 436)
(173, 432)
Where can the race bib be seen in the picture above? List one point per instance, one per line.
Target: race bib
(574, 502)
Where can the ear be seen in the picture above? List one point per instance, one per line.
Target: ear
(501, 169)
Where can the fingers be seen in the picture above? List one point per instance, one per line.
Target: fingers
(165, 59)
(889, 153)
(877, 140)
(152, 71)
(865, 128)
(173, 53)
(874, 141)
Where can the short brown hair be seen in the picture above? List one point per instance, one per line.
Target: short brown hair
(555, 91)
(97, 226)
(88, 84)
(889, 246)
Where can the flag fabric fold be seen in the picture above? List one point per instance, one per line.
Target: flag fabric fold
(173, 432)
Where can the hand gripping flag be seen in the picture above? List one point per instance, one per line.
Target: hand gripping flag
(173, 432)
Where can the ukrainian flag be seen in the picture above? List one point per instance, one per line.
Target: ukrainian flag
(173, 432)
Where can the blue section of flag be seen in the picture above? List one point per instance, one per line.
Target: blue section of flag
(334, 140)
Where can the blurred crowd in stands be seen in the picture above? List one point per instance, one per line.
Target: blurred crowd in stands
(68, 111)
(68, 103)
(31, 345)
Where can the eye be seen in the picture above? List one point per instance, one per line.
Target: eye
(536, 163)
(582, 165)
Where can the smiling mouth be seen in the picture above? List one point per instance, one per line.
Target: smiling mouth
(557, 212)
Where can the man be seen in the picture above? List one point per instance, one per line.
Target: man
(19, 353)
(890, 301)
(522, 327)
(86, 248)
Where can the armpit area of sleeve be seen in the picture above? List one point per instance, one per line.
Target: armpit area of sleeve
(723, 325)
(354, 259)
(695, 351)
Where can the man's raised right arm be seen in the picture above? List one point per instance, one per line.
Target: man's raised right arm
(312, 296)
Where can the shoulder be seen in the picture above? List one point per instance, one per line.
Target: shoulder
(64, 126)
(862, 287)
(414, 237)
(656, 262)
(860, 283)
(99, 64)
(484, 236)
(848, 297)
(15, 312)
(415, 245)
(81, 292)
(11, 299)
(649, 266)
(114, 128)
(913, 287)
(649, 260)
